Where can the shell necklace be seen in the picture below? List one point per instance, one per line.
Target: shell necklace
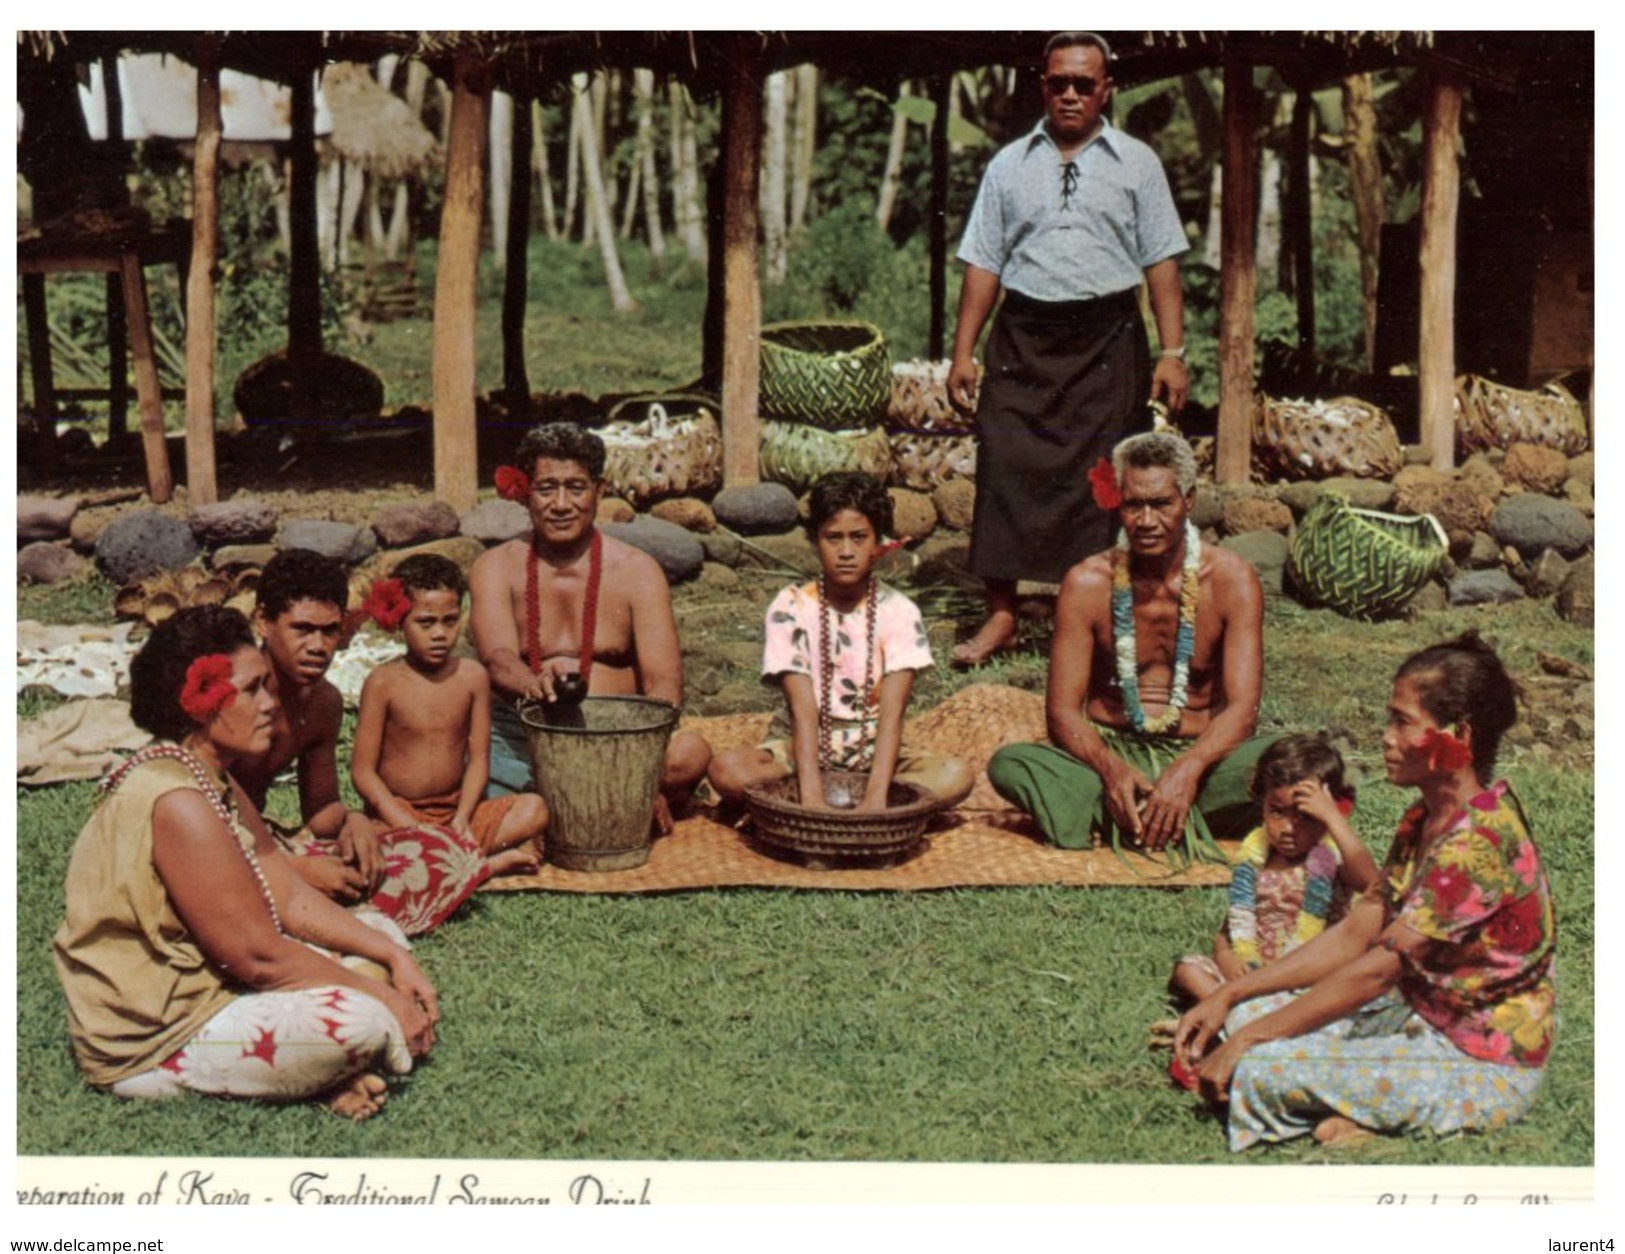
(210, 788)
(826, 676)
(1128, 660)
(589, 608)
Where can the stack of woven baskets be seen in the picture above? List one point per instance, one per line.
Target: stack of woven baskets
(824, 392)
(931, 441)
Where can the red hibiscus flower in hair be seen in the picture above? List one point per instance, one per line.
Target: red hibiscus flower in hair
(513, 484)
(387, 604)
(208, 688)
(1103, 483)
(1345, 804)
(1445, 752)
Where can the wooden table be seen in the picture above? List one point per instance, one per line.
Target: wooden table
(122, 258)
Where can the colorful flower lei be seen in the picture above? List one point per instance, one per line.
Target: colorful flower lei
(1322, 864)
(208, 688)
(387, 603)
(1103, 484)
(1128, 672)
(512, 483)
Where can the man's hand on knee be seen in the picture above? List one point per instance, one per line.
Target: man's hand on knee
(1170, 801)
(1126, 787)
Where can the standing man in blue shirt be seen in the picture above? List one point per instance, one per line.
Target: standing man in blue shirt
(1068, 221)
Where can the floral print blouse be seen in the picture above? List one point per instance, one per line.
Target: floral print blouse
(1480, 898)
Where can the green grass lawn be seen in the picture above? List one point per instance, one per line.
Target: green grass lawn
(1001, 1025)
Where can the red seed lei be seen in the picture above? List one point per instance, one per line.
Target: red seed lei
(589, 611)
(210, 789)
(826, 719)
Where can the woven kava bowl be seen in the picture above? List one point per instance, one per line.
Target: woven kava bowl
(782, 822)
(834, 375)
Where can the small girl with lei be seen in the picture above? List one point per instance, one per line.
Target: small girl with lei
(1296, 871)
(844, 649)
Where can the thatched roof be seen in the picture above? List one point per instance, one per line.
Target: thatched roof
(372, 126)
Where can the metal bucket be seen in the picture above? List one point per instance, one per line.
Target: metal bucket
(597, 765)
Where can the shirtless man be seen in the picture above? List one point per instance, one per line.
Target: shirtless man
(1139, 736)
(299, 616)
(533, 601)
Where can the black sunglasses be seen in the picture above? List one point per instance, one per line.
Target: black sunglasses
(1056, 84)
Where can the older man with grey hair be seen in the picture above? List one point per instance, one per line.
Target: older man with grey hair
(1156, 668)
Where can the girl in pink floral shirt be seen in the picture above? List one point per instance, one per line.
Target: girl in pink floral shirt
(1430, 1007)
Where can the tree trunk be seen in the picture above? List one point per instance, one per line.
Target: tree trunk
(1365, 177)
(742, 291)
(629, 208)
(544, 178)
(598, 89)
(572, 161)
(1301, 217)
(893, 176)
(515, 269)
(1237, 278)
(942, 90)
(1441, 191)
(598, 214)
(686, 180)
(773, 183)
(456, 462)
(201, 278)
(501, 159)
(400, 220)
(304, 259)
(643, 86)
(353, 193)
(805, 146)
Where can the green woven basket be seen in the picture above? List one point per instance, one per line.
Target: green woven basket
(1360, 562)
(833, 375)
(799, 456)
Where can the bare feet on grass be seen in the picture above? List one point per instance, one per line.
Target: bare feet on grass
(996, 635)
(360, 1098)
(1340, 1132)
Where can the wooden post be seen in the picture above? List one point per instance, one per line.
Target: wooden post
(941, 96)
(201, 277)
(118, 337)
(741, 281)
(149, 401)
(1365, 178)
(304, 254)
(1441, 187)
(1300, 216)
(1238, 278)
(456, 434)
(516, 267)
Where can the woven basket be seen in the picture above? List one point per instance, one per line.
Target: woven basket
(662, 455)
(1492, 415)
(843, 834)
(919, 399)
(834, 375)
(1360, 562)
(1299, 439)
(923, 462)
(799, 456)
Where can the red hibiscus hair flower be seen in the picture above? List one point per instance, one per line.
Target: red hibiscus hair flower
(512, 483)
(387, 604)
(1103, 483)
(208, 688)
(1445, 752)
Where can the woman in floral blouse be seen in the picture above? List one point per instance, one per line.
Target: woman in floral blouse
(1431, 1005)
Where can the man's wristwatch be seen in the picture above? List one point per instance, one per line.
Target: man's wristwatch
(1173, 352)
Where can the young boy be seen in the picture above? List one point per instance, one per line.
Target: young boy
(423, 738)
(844, 649)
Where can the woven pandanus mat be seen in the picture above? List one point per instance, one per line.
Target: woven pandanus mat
(983, 843)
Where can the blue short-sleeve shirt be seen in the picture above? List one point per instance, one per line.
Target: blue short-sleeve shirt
(1118, 220)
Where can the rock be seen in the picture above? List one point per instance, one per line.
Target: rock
(87, 527)
(1483, 553)
(956, 503)
(1479, 471)
(678, 552)
(1530, 522)
(1576, 599)
(942, 558)
(1583, 467)
(1418, 455)
(1536, 467)
(721, 547)
(1484, 587)
(1301, 494)
(716, 575)
(47, 562)
(755, 509)
(414, 522)
(1249, 514)
(1266, 551)
(611, 509)
(1412, 477)
(495, 522)
(1207, 510)
(142, 543)
(348, 544)
(914, 517)
(1430, 598)
(688, 512)
(464, 550)
(791, 550)
(1361, 493)
(1458, 506)
(45, 518)
(1577, 492)
(1546, 574)
(246, 521)
(232, 556)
